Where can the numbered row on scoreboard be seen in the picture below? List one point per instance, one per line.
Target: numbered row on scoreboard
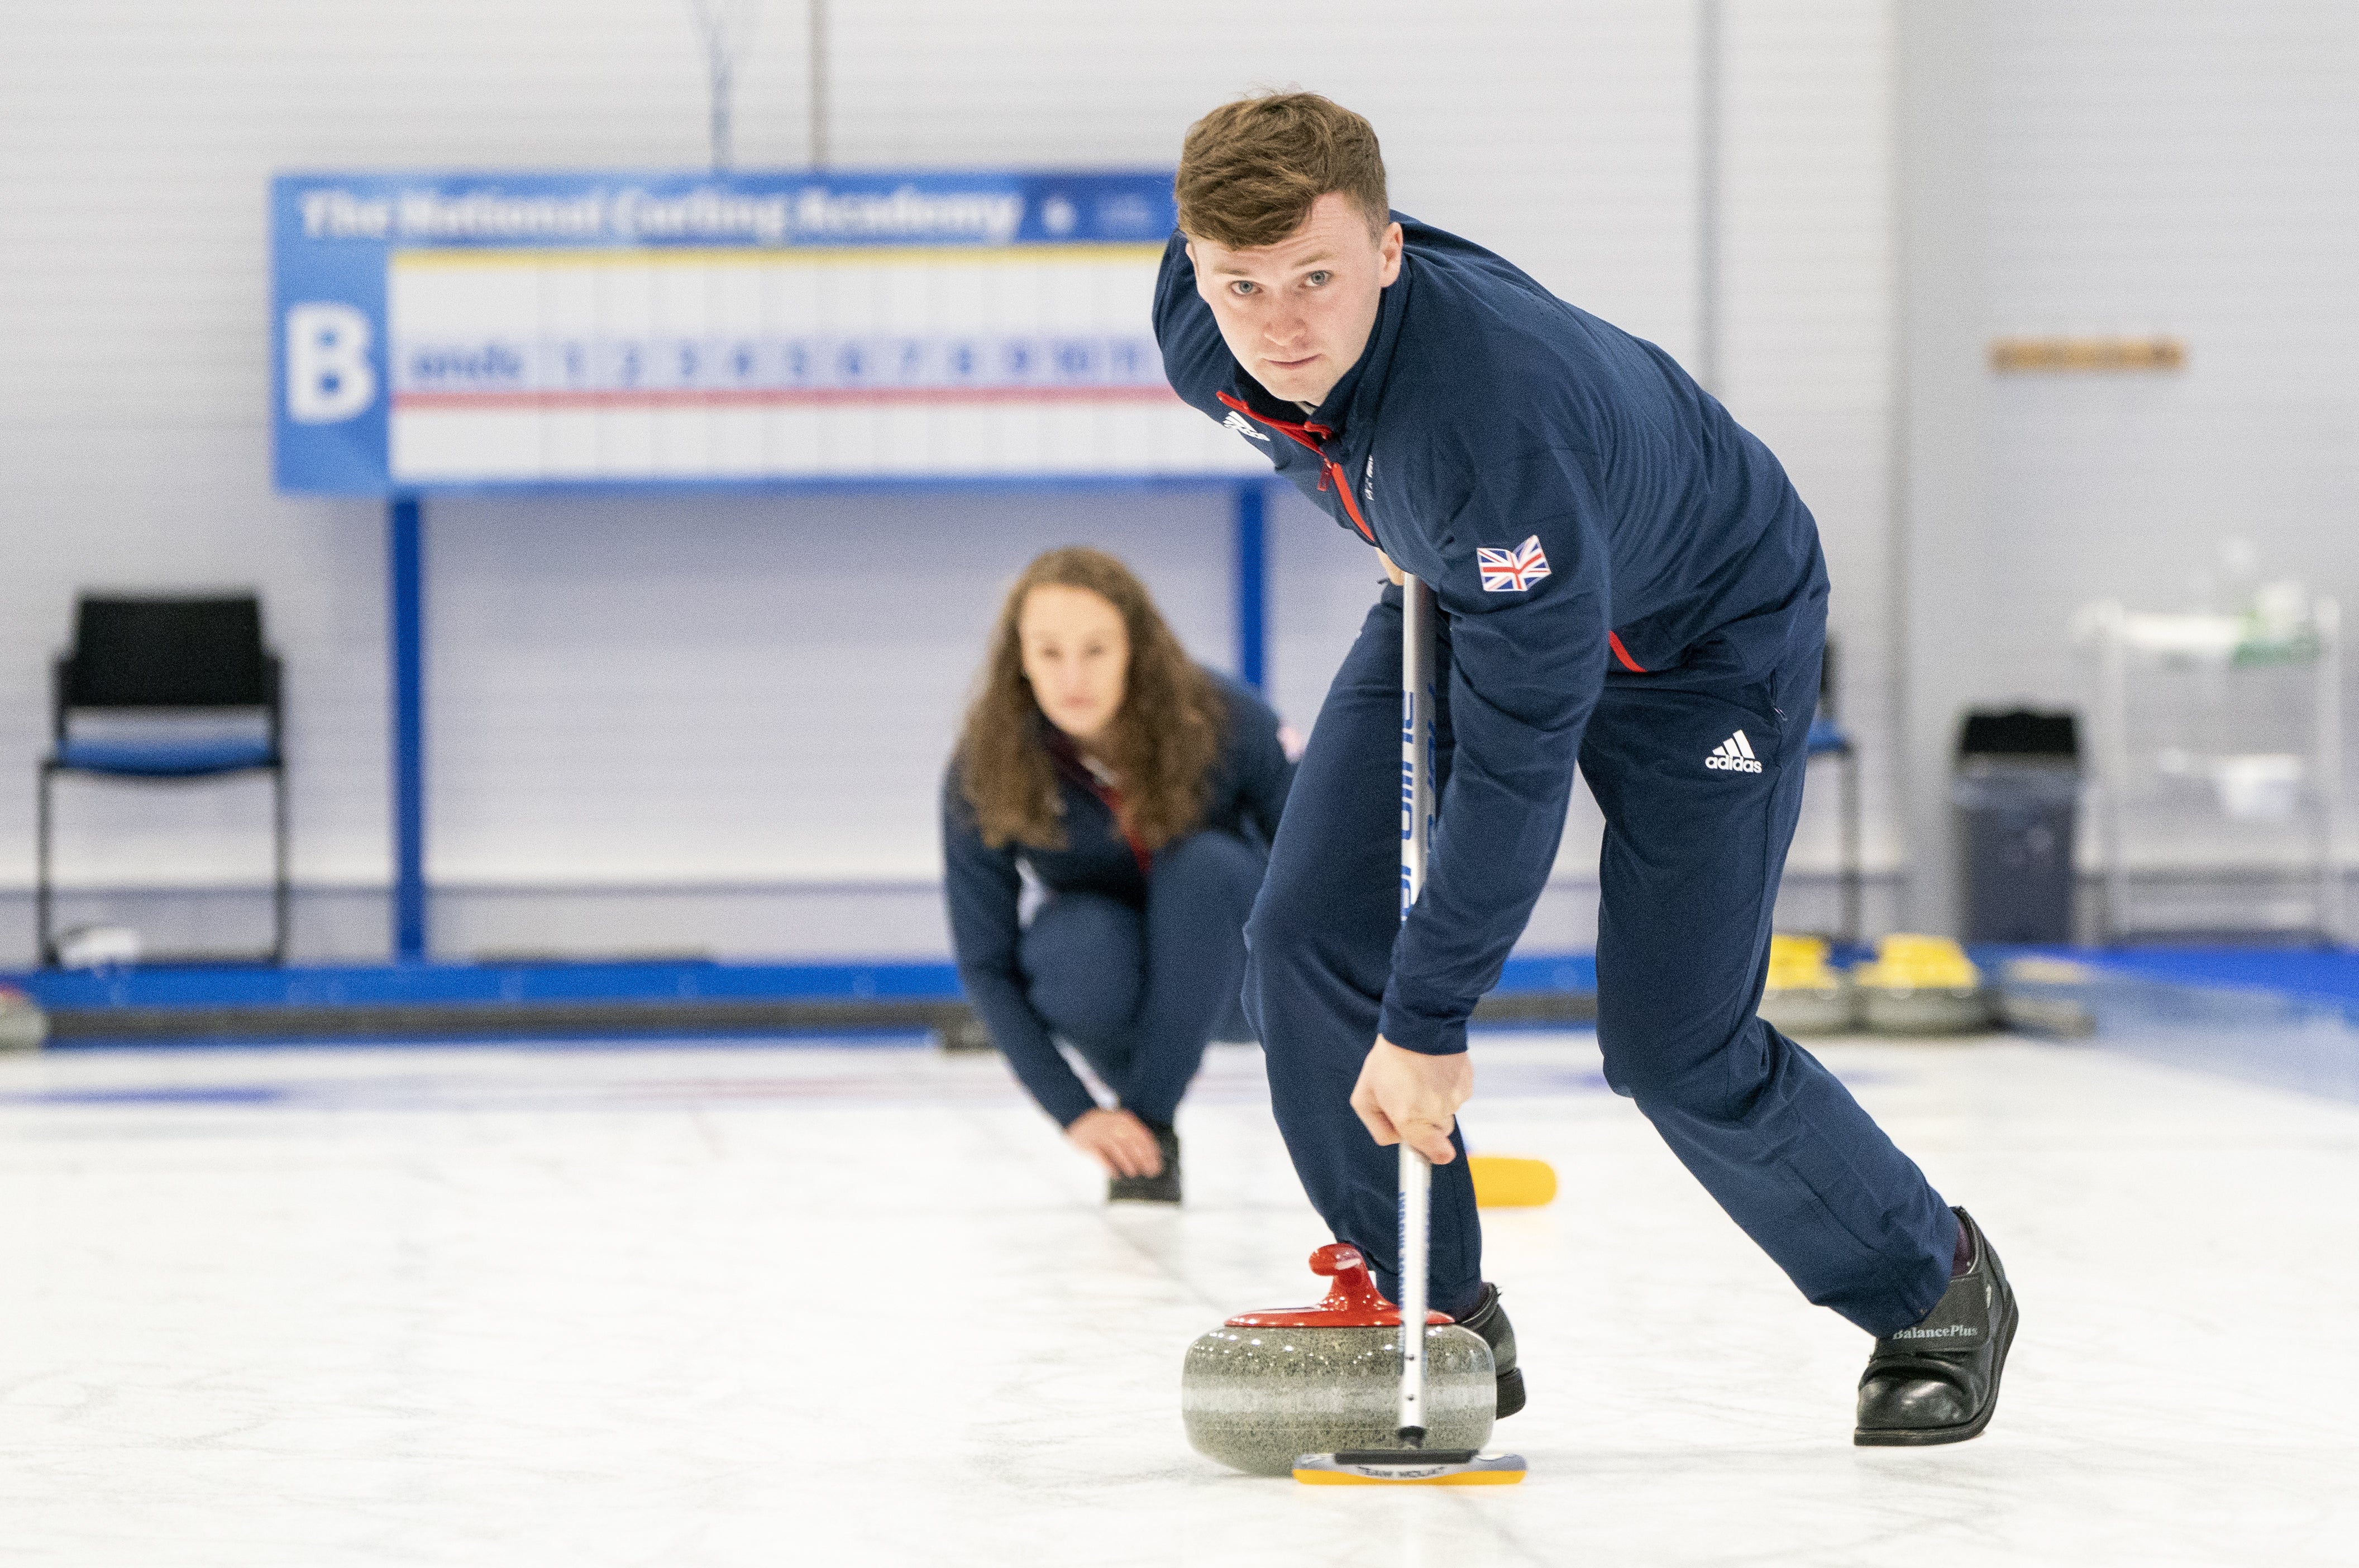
(851, 362)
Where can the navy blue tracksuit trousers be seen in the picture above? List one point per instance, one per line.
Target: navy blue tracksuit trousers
(1139, 991)
(1691, 860)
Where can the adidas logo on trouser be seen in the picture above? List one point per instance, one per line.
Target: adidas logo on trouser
(1734, 755)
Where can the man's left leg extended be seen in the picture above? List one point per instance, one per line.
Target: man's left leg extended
(1700, 781)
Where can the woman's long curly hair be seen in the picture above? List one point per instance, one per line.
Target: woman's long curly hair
(1162, 742)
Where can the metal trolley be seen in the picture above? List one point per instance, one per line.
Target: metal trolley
(2218, 765)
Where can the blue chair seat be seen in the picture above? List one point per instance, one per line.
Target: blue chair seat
(1827, 738)
(166, 759)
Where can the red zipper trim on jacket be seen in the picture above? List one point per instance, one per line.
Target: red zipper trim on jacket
(1111, 798)
(1069, 762)
(1310, 436)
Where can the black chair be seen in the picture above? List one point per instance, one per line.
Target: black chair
(161, 660)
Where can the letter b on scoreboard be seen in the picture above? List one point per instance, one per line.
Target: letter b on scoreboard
(329, 377)
(329, 381)
(330, 425)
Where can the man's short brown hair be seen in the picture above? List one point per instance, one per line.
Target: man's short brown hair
(1251, 170)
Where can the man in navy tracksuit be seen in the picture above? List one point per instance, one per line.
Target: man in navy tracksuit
(1627, 581)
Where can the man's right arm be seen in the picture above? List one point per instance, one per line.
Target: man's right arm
(1527, 657)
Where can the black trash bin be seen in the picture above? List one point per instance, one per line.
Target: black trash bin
(2015, 795)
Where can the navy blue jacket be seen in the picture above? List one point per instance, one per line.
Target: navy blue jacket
(984, 885)
(1485, 412)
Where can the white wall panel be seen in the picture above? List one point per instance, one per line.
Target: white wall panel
(734, 690)
(1557, 133)
(1807, 347)
(2190, 170)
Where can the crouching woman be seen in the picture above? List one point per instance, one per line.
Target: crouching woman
(1141, 790)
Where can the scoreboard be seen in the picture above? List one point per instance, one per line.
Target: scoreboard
(469, 331)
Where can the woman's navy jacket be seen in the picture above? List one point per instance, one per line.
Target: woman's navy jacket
(984, 885)
(1583, 511)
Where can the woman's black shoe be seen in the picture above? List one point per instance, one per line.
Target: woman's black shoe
(1489, 1321)
(1937, 1380)
(1162, 1188)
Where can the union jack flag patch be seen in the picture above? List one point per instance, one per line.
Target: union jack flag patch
(1512, 570)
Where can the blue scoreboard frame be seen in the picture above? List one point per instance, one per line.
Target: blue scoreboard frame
(337, 238)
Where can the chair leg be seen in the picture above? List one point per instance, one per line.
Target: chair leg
(44, 948)
(279, 889)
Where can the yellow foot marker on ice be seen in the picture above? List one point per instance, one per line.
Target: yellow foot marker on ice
(1501, 1182)
(1399, 1467)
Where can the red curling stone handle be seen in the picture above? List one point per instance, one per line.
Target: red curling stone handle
(1352, 1301)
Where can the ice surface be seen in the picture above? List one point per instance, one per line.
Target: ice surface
(771, 1304)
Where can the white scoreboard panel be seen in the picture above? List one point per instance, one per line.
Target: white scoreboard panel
(560, 365)
(509, 346)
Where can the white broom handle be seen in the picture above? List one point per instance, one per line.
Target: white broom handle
(1416, 825)
(1417, 1190)
(1417, 736)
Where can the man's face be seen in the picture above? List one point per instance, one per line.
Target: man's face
(1298, 314)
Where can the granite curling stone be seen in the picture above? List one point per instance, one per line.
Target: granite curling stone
(1923, 986)
(1805, 994)
(23, 1025)
(1266, 1387)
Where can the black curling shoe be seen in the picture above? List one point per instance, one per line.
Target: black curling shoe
(1937, 1380)
(1491, 1322)
(1162, 1188)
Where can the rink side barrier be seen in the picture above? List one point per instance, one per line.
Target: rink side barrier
(447, 1002)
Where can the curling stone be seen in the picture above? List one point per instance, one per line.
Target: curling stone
(1922, 984)
(1805, 994)
(1266, 1387)
(23, 1025)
